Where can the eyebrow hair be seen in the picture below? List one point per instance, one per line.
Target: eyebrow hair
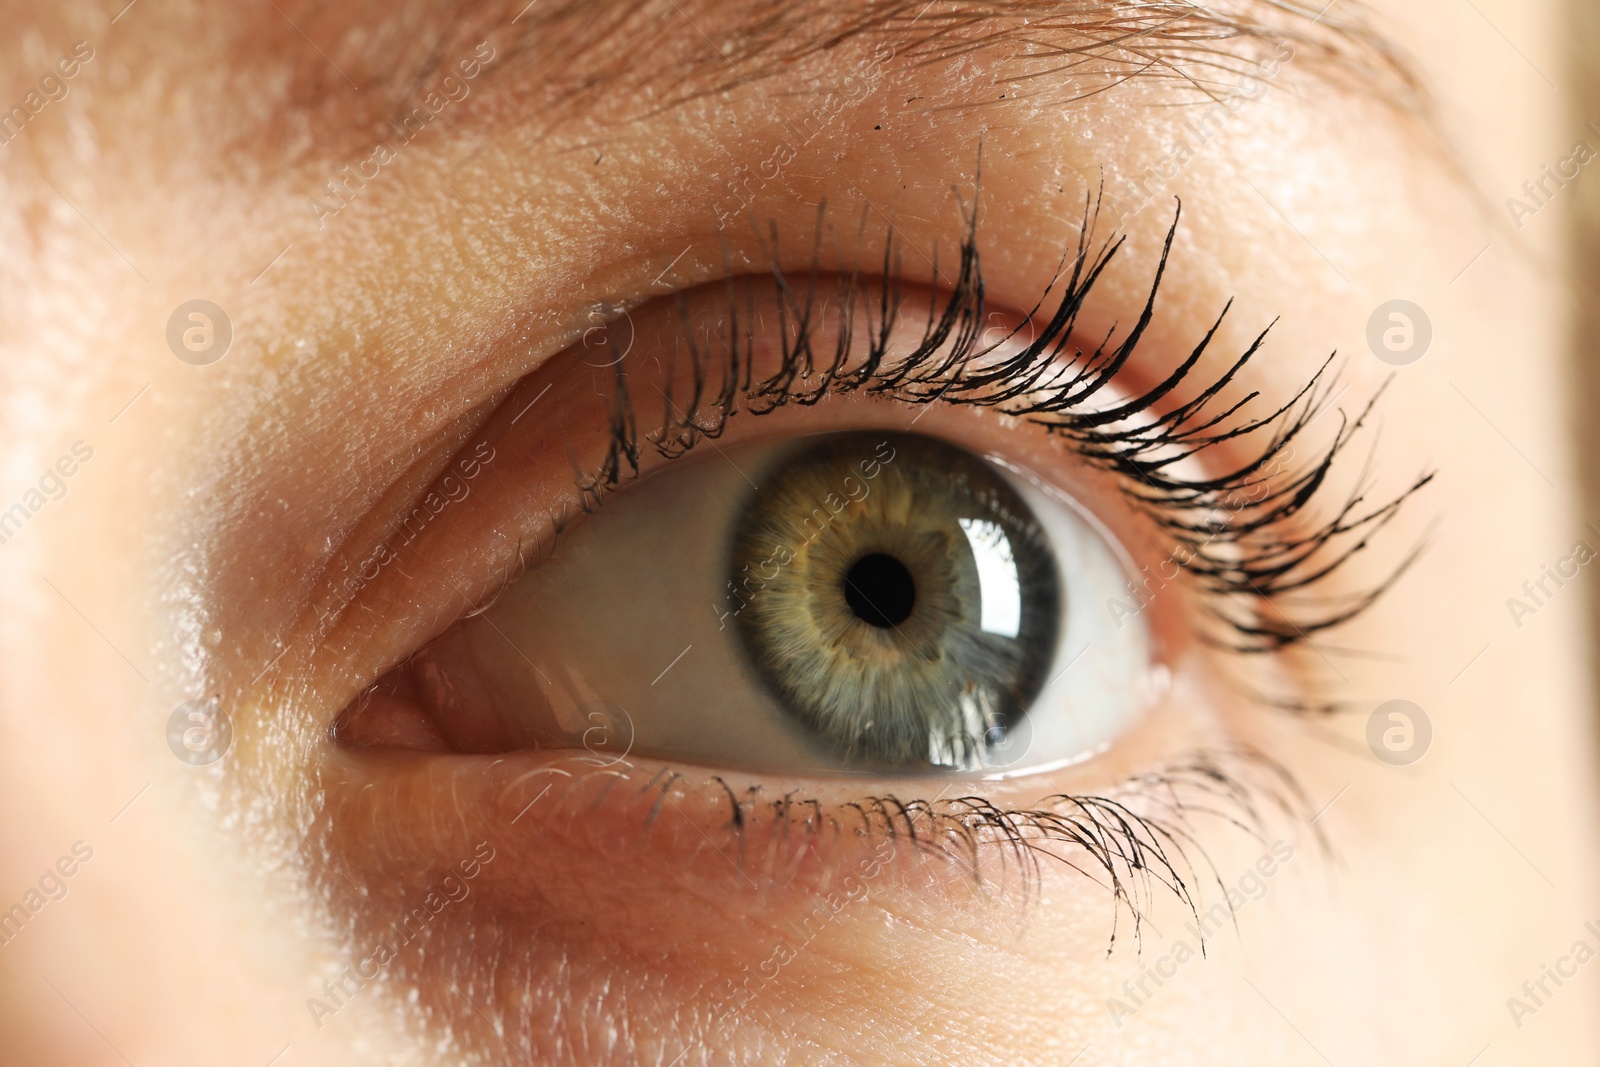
(1102, 42)
(575, 53)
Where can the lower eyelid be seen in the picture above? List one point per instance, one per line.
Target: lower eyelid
(612, 878)
(587, 835)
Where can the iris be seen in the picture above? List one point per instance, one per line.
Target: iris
(907, 609)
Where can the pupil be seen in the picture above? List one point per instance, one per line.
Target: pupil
(879, 589)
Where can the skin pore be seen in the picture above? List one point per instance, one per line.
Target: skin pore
(384, 306)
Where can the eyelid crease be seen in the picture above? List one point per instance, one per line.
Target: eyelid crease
(1247, 534)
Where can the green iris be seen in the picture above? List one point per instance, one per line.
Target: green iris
(897, 596)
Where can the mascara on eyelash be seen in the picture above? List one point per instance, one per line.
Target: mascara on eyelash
(1140, 837)
(1244, 534)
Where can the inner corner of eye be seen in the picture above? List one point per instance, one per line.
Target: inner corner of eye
(862, 602)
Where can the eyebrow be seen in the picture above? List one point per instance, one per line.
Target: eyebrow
(1100, 43)
(579, 51)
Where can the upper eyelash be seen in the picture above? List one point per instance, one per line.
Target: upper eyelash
(1244, 531)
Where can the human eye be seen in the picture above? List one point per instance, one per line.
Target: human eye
(856, 595)
(805, 530)
(883, 601)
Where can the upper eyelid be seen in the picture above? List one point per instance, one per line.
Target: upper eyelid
(1223, 575)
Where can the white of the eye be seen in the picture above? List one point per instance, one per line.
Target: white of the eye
(1102, 678)
(1001, 592)
(691, 695)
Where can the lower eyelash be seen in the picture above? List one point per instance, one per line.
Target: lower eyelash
(1134, 854)
(1246, 534)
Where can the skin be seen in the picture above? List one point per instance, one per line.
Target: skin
(188, 556)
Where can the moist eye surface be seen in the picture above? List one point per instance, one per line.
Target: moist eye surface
(897, 597)
(860, 602)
